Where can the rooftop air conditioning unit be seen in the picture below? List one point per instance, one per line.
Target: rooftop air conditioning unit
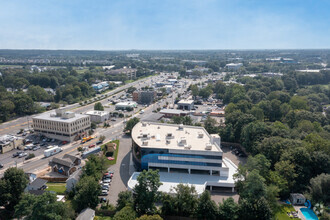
(187, 147)
(200, 135)
(168, 141)
(183, 141)
(145, 143)
(144, 124)
(181, 127)
(208, 146)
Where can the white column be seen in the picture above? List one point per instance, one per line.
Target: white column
(168, 169)
(233, 189)
(211, 172)
(210, 188)
(189, 170)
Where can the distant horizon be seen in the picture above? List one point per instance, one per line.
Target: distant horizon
(171, 49)
(112, 25)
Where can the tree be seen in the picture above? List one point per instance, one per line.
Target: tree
(87, 192)
(125, 198)
(228, 210)
(130, 124)
(102, 138)
(259, 209)
(150, 217)
(93, 125)
(98, 106)
(206, 208)
(131, 89)
(126, 213)
(319, 189)
(44, 206)
(210, 125)
(185, 200)
(146, 192)
(12, 185)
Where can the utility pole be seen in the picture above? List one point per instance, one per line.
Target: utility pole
(28, 122)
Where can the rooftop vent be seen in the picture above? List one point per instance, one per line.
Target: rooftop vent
(144, 143)
(168, 141)
(200, 135)
(183, 141)
(144, 124)
(181, 127)
(208, 146)
(187, 147)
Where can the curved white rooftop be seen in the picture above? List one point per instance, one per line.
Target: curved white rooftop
(173, 136)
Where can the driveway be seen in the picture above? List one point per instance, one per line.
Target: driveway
(120, 169)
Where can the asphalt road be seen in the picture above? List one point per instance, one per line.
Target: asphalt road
(12, 127)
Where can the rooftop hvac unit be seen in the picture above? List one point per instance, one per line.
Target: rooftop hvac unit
(200, 135)
(208, 146)
(168, 141)
(181, 127)
(187, 147)
(183, 141)
(144, 124)
(145, 143)
(144, 135)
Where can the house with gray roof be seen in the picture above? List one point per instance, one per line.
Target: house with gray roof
(66, 165)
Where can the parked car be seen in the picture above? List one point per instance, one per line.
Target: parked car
(36, 148)
(107, 180)
(22, 155)
(104, 193)
(105, 188)
(17, 153)
(103, 200)
(92, 145)
(113, 119)
(99, 142)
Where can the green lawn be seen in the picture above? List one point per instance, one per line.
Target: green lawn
(102, 217)
(281, 214)
(115, 154)
(59, 188)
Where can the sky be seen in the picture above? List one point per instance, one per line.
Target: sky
(164, 24)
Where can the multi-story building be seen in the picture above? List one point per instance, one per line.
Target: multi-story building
(186, 104)
(234, 66)
(182, 154)
(144, 96)
(129, 72)
(61, 125)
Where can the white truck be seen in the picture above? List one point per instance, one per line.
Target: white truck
(52, 151)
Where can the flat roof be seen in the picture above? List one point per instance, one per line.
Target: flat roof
(191, 138)
(99, 113)
(51, 116)
(183, 101)
(172, 111)
(199, 181)
(126, 103)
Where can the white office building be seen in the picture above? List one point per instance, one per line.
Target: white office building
(234, 66)
(61, 125)
(183, 154)
(98, 116)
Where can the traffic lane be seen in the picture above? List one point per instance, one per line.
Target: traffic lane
(13, 126)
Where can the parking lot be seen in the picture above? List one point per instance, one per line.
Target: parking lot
(120, 170)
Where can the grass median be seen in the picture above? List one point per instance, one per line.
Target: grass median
(115, 153)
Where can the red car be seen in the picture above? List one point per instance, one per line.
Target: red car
(92, 145)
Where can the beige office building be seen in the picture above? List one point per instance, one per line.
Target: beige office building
(62, 125)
